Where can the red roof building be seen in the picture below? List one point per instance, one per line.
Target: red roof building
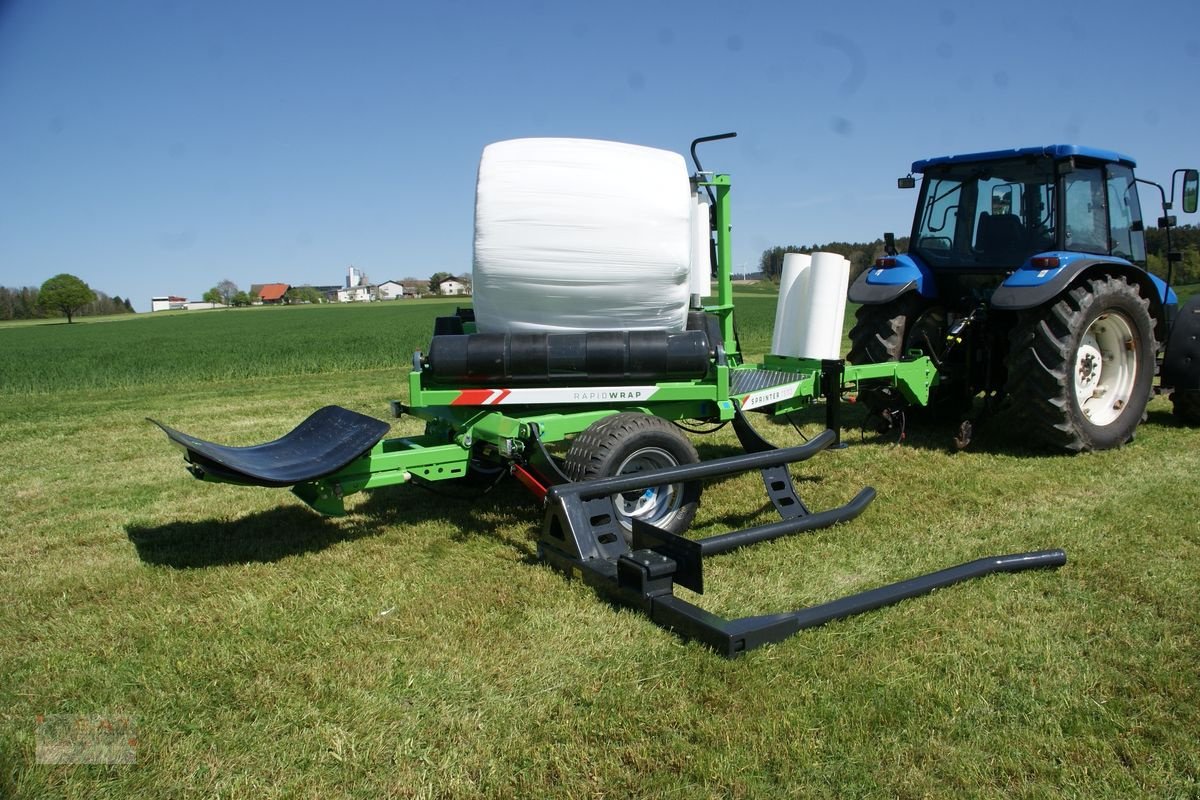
(273, 292)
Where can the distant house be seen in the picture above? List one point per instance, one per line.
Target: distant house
(200, 305)
(358, 288)
(268, 293)
(356, 294)
(394, 290)
(168, 303)
(453, 286)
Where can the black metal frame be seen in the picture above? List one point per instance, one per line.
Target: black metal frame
(581, 536)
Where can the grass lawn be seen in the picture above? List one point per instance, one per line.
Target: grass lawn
(416, 649)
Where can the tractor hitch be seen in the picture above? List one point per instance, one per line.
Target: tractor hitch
(581, 537)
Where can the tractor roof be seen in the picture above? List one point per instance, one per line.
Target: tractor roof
(1050, 151)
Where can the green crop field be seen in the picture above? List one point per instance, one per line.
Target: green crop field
(415, 648)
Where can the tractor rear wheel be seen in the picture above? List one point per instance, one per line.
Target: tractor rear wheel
(1080, 368)
(632, 442)
(1187, 405)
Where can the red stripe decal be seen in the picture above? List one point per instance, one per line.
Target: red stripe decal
(472, 397)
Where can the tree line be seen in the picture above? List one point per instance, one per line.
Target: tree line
(1185, 240)
(860, 255)
(63, 295)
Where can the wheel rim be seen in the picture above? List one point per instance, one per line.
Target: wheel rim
(656, 505)
(1106, 363)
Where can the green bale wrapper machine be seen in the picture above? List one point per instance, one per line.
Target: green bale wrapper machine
(618, 504)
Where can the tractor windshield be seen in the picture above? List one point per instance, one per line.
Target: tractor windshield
(990, 215)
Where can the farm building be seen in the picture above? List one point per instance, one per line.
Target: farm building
(268, 293)
(358, 288)
(394, 290)
(168, 303)
(364, 293)
(453, 286)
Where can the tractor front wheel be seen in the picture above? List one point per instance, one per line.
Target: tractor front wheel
(628, 443)
(1080, 368)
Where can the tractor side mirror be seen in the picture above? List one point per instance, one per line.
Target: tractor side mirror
(1191, 188)
(907, 182)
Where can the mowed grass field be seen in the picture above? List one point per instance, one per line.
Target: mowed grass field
(416, 649)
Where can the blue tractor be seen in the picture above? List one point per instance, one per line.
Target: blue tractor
(1025, 281)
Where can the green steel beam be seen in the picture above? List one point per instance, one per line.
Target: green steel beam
(390, 462)
(724, 226)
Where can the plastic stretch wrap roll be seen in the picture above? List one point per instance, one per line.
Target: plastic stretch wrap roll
(783, 336)
(580, 235)
(700, 280)
(820, 308)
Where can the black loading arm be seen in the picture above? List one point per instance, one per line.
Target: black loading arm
(580, 536)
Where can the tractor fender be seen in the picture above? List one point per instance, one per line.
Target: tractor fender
(1030, 286)
(1181, 364)
(883, 284)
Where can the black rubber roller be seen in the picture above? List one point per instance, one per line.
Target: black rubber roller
(494, 359)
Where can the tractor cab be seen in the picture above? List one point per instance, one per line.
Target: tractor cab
(990, 226)
(990, 212)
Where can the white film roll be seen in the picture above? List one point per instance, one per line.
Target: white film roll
(783, 337)
(820, 308)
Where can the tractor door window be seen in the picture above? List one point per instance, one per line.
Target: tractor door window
(1037, 210)
(939, 217)
(1087, 220)
(1124, 211)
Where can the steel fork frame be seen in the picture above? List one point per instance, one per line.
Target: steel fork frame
(581, 537)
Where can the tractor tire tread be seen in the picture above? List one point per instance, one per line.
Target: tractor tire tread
(878, 332)
(1041, 348)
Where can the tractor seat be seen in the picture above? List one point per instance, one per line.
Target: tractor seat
(1000, 234)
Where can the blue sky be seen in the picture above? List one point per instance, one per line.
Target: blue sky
(159, 147)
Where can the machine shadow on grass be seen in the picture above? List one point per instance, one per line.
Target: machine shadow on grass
(292, 529)
(262, 537)
(1165, 418)
(992, 432)
(506, 513)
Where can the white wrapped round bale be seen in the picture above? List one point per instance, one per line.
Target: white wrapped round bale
(580, 235)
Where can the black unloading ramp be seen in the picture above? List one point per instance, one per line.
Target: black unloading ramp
(328, 440)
